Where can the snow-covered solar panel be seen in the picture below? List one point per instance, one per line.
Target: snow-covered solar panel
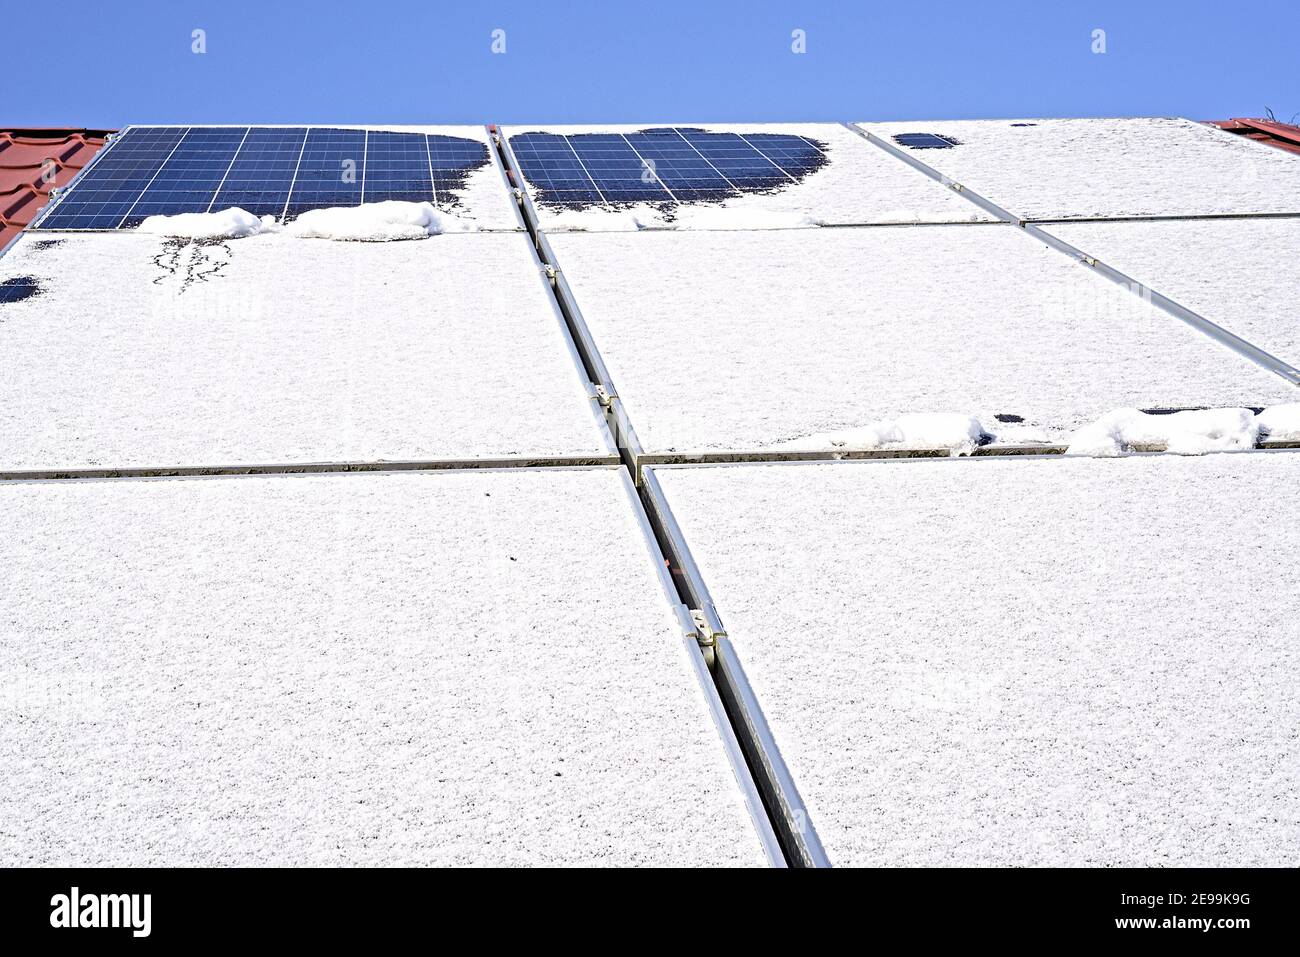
(1078, 168)
(1243, 274)
(741, 340)
(140, 351)
(721, 176)
(279, 171)
(982, 662)
(392, 669)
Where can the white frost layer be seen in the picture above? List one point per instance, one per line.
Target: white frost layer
(859, 184)
(1183, 433)
(935, 430)
(1109, 167)
(439, 669)
(233, 223)
(738, 340)
(993, 662)
(145, 352)
(377, 222)
(1243, 274)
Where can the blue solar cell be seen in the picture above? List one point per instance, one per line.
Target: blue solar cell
(189, 177)
(925, 141)
(616, 171)
(260, 177)
(680, 166)
(660, 165)
(330, 172)
(452, 159)
(736, 159)
(398, 166)
(106, 192)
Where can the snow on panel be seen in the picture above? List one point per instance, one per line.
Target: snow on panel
(1066, 169)
(1243, 274)
(743, 340)
(858, 184)
(984, 662)
(384, 669)
(145, 351)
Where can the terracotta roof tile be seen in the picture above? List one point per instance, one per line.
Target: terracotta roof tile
(32, 162)
(1284, 136)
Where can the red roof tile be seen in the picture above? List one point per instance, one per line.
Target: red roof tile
(32, 162)
(1284, 136)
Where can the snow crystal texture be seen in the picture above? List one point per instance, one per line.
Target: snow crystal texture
(401, 669)
(982, 662)
(1243, 274)
(151, 352)
(1066, 169)
(742, 340)
(859, 184)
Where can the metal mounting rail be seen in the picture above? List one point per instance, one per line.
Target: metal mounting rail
(1216, 332)
(315, 468)
(785, 807)
(701, 664)
(747, 738)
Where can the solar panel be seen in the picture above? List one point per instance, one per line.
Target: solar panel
(280, 171)
(662, 165)
(925, 141)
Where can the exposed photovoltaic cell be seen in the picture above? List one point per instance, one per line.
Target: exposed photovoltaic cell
(451, 160)
(260, 178)
(661, 165)
(925, 141)
(277, 171)
(331, 171)
(397, 167)
(106, 192)
(186, 182)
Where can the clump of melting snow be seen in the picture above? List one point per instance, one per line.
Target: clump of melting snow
(1281, 423)
(370, 222)
(233, 223)
(377, 222)
(960, 434)
(1192, 432)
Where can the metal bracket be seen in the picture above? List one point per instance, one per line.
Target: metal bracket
(603, 397)
(704, 636)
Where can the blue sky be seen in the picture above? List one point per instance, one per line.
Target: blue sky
(432, 61)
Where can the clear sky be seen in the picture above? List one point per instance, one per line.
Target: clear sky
(109, 64)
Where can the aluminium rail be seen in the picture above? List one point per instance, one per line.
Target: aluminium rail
(785, 811)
